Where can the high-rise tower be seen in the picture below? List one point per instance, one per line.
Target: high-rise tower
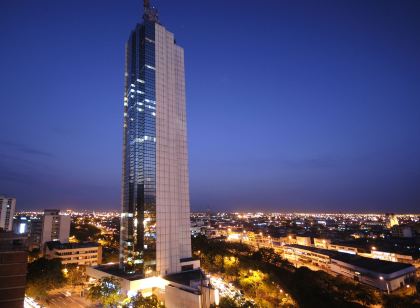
(155, 218)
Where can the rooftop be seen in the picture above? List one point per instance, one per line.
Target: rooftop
(374, 265)
(114, 269)
(404, 246)
(188, 259)
(58, 245)
(186, 277)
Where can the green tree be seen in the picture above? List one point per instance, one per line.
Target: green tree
(251, 280)
(106, 290)
(139, 301)
(268, 255)
(85, 232)
(75, 274)
(44, 275)
(231, 265)
(218, 262)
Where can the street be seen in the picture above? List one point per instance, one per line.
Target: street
(60, 300)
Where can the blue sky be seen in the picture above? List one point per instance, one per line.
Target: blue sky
(292, 105)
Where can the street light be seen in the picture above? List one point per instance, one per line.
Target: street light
(386, 282)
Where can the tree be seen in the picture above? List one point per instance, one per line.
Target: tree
(218, 262)
(34, 254)
(268, 255)
(139, 301)
(44, 275)
(231, 265)
(251, 280)
(75, 274)
(85, 232)
(106, 290)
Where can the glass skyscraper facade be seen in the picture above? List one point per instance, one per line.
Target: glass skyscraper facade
(155, 198)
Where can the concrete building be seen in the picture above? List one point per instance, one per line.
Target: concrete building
(51, 226)
(322, 243)
(85, 254)
(304, 240)
(188, 288)
(13, 268)
(55, 227)
(384, 275)
(155, 237)
(21, 225)
(35, 225)
(391, 256)
(7, 211)
(343, 248)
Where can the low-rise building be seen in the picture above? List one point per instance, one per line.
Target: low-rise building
(384, 275)
(391, 256)
(188, 288)
(343, 248)
(322, 243)
(74, 253)
(304, 240)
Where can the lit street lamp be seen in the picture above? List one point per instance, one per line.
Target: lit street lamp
(386, 282)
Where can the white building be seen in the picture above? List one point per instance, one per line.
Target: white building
(7, 211)
(384, 275)
(55, 227)
(84, 254)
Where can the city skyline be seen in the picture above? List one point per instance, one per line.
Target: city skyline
(271, 125)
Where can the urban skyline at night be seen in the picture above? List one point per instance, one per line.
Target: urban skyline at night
(285, 111)
(209, 154)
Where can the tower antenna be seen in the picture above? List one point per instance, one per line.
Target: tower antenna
(150, 13)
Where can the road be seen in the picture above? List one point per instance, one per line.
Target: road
(60, 300)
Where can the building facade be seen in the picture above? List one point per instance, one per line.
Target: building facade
(13, 268)
(384, 275)
(7, 211)
(155, 237)
(55, 227)
(155, 223)
(85, 254)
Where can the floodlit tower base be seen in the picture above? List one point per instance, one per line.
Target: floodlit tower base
(187, 289)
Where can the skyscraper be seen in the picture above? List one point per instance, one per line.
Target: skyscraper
(155, 225)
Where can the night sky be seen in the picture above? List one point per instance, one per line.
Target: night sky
(292, 105)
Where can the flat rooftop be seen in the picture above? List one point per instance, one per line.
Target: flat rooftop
(374, 265)
(188, 259)
(114, 269)
(185, 277)
(58, 245)
(404, 246)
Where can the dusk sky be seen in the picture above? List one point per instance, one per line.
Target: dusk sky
(292, 105)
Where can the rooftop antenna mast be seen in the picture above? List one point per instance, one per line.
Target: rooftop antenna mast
(150, 13)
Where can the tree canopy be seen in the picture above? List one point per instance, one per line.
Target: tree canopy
(106, 290)
(139, 301)
(44, 275)
(85, 232)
